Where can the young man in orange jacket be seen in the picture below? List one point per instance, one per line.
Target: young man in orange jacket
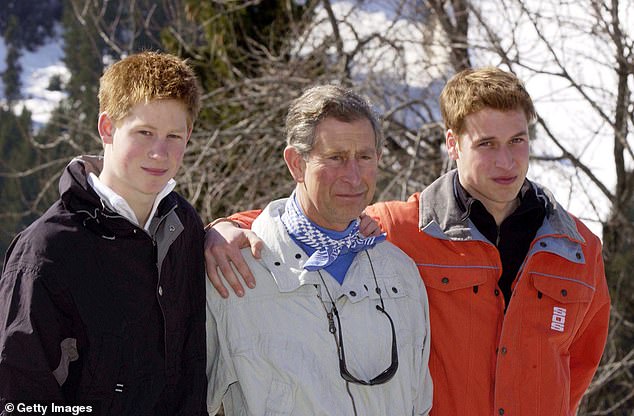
(519, 305)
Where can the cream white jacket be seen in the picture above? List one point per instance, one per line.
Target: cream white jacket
(271, 352)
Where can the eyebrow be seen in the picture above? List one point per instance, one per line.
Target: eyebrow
(485, 138)
(153, 127)
(521, 133)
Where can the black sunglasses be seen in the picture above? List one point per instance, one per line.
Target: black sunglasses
(387, 374)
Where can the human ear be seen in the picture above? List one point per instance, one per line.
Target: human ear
(106, 128)
(451, 142)
(295, 163)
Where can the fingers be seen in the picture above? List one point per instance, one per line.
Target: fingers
(213, 276)
(218, 261)
(368, 227)
(211, 266)
(238, 262)
(230, 277)
(224, 261)
(256, 244)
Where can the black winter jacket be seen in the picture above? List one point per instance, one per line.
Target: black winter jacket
(95, 311)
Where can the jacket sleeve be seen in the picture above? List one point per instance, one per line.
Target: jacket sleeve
(587, 347)
(36, 345)
(220, 372)
(194, 380)
(246, 218)
(394, 217)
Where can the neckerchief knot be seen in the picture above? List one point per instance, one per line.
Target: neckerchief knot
(327, 249)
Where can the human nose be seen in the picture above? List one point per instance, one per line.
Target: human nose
(504, 158)
(158, 150)
(352, 171)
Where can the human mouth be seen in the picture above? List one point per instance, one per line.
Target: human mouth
(505, 180)
(351, 195)
(155, 171)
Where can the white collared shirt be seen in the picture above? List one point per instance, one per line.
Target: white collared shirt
(119, 205)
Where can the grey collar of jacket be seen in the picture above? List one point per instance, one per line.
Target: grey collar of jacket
(441, 216)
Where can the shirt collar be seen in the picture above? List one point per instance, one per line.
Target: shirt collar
(465, 200)
(118, 204)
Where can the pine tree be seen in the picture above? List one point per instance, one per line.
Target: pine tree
(11, 75)
(236, 49)
(16, 191)
(39, 17)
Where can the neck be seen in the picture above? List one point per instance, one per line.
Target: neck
(141, 210)
(311, 212)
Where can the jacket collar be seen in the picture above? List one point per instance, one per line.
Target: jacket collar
(282, 256)
(444, 211)
(79, 197)
(285, 260)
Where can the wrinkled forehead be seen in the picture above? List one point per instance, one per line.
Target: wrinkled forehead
(344, 136)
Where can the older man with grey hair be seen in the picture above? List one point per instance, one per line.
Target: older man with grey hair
(338, 323)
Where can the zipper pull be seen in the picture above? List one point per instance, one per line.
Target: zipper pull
(331, 323)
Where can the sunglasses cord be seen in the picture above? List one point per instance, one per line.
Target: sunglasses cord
(333, 330)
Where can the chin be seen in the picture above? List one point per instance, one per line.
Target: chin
(350, 215)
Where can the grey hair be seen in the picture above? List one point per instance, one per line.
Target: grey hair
(320, 102)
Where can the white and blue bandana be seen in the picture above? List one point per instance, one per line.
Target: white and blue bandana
(327, 249)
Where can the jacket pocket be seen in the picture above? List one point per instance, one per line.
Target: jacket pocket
(390, 287)
(448, 279)
(563, 302)
(562, 289)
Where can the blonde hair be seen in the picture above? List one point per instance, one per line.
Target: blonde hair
(148, 76)
(472, 90)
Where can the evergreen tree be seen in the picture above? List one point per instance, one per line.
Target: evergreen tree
(40, 21)
(16, 192)
(11, 75)
(236, 49)
(83, 57)
(38, 17)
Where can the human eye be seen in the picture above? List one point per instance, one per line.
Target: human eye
(518, 140)
(144, 132)
(175, 136)
(485, 143)
(366, 157)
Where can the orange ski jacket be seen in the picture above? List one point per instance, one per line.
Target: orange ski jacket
(539, 357)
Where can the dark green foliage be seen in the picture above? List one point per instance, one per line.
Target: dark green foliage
(11, 75)
(16, 191)
(39, 18)
(55, 83)
(83, 50)
(15, 16)
(239, 50)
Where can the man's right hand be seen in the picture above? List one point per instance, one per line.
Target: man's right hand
(223, 243)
